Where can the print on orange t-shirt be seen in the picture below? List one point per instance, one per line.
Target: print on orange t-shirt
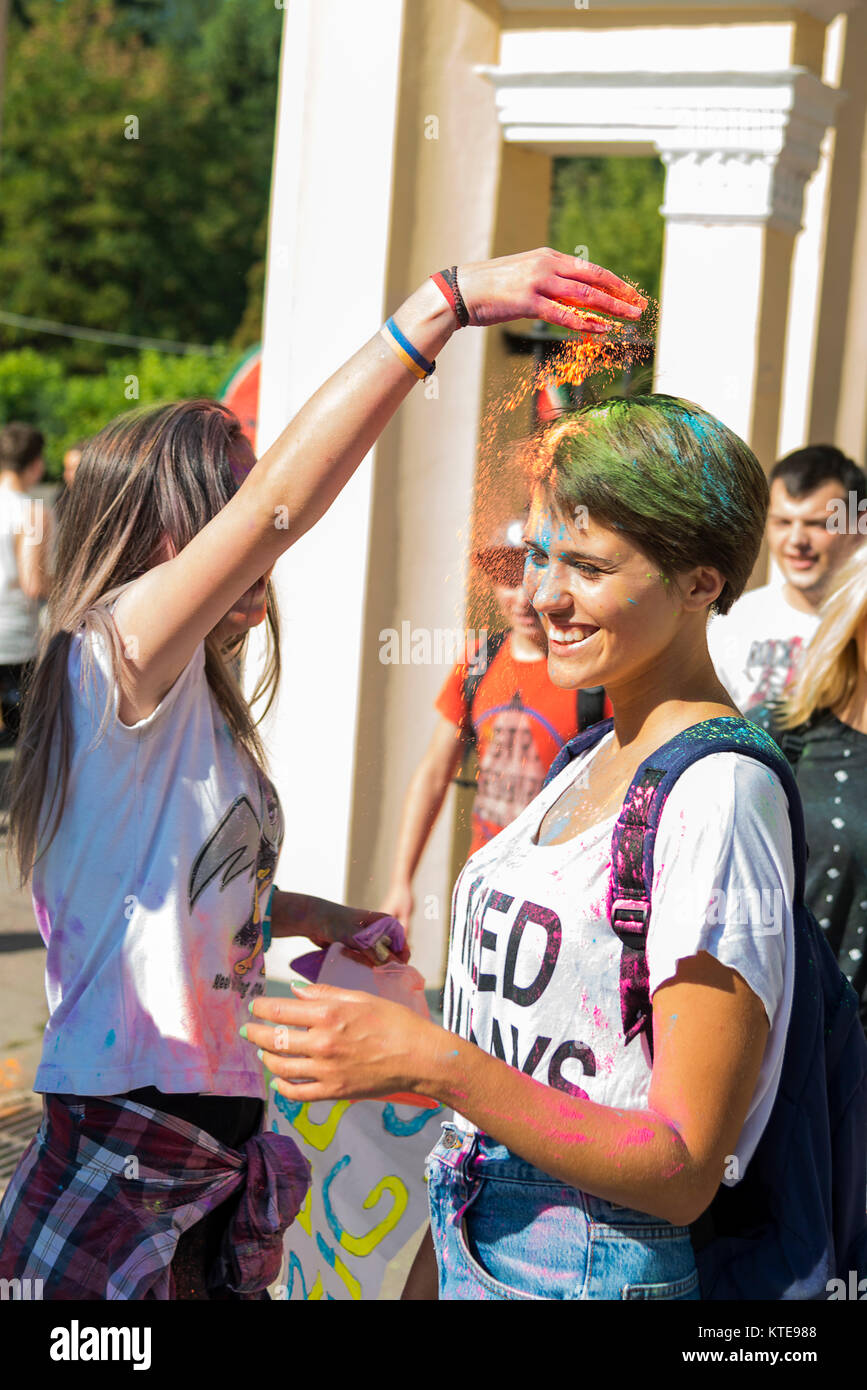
(521, 722)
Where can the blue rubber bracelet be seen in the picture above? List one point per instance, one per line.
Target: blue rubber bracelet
(427, 367)
(266, 920)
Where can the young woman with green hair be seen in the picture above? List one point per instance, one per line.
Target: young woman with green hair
(143, 815)
(578, 1157)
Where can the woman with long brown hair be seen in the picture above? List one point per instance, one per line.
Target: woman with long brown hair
(142, 811)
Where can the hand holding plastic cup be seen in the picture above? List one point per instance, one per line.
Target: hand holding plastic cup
(400, 983)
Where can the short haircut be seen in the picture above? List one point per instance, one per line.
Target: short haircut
(805, 470)
(667, 474)
(20, 444)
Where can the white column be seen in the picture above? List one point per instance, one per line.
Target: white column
(734, 200)
(739, 144)
(327, 264)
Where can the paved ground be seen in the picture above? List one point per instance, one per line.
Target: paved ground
(23, 1010)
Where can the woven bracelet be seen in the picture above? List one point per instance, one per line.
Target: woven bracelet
(447, 281)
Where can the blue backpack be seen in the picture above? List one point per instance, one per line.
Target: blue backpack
(796, 1219)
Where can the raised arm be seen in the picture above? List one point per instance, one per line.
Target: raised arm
(172, 608)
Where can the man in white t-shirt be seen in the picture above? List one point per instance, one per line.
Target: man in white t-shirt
(757, 647)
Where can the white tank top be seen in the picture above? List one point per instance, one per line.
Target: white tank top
(150, 898)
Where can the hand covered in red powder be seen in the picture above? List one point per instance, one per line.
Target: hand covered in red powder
(549, 285)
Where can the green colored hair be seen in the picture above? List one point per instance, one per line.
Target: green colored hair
(680, 484)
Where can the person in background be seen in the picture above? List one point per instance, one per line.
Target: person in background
(71, 460)
(757, 647)
(501, 700)
(25, 564)
(821, 726)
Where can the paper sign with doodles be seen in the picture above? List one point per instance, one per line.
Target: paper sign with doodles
(367, 1197)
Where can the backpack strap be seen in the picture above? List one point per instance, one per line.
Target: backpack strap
(476, 670)
(591, 706)
(634, 838)
(576, 746)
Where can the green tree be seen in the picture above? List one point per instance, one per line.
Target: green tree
(68, 407)
(136, 168)
(610, 204)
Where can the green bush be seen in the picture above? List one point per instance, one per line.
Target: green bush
(67, 407)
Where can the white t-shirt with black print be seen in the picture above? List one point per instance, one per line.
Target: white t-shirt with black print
(150, 898)
(758, 646)
(534, 965)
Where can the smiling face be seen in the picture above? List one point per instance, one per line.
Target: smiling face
(807, 552)
(610, 617)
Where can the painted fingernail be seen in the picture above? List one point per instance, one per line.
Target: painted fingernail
(300, 984)
(243, 1030)
(250, 1005)
(259, 1053)
(273, 1083)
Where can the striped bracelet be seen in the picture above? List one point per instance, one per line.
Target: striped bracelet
(403, 348)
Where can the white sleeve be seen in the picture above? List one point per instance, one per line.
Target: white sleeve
(724, 875)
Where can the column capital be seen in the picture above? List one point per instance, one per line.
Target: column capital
(739, 146)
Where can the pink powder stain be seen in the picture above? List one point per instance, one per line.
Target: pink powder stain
(637, 1136)
(599, 1019)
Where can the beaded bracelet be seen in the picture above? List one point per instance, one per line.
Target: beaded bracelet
(266, 921)
(403, 348)
(447, 281)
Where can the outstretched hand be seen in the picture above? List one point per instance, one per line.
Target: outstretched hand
(549, 285)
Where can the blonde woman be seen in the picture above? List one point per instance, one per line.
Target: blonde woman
(143, 813)
(821, 725)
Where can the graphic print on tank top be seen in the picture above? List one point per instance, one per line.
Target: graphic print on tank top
(246, 841)
(771, 666)
(534, 968)
(511, 771)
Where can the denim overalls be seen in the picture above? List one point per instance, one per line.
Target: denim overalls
(503, 1229)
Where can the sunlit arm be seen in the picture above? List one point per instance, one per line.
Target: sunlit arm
(667, 1159)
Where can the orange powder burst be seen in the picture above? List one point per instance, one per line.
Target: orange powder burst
(509, 464)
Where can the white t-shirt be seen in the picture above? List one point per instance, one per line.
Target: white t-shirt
(757, 646)
(150, 898)
(20, 515)
(534, 965)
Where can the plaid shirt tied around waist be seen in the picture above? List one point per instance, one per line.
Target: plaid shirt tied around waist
(100, 1197)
